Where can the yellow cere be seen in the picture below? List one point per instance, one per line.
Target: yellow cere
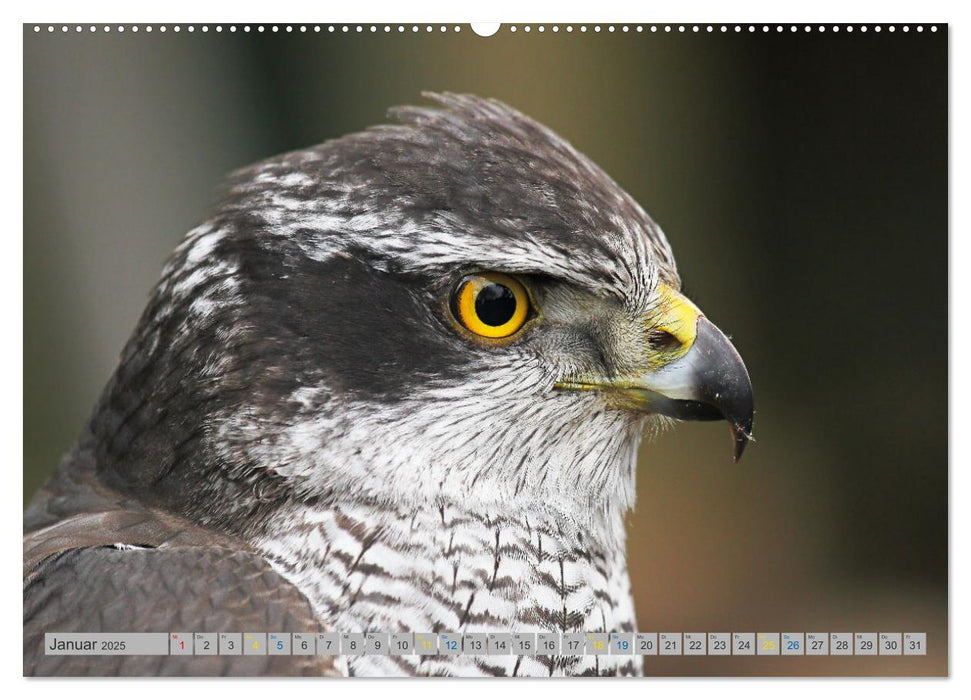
(677, 315)
(470, 317)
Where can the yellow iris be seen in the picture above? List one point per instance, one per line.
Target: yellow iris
(491, 304)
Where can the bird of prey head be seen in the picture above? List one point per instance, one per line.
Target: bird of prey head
(460, 306)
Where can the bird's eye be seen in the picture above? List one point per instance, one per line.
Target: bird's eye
(490, 304)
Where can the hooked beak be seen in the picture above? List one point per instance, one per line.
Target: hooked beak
(709, 382)
(699, 377)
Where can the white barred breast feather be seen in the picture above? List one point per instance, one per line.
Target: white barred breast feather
(372, 568)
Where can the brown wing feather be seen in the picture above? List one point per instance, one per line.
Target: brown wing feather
(185, 578)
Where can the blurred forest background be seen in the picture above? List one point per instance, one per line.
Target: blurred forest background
(802, 179)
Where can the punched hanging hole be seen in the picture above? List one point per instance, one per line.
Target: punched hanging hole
(485, 28)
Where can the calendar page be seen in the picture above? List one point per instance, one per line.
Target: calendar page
(523, 349)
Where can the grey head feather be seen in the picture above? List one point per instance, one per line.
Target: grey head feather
(300, 329)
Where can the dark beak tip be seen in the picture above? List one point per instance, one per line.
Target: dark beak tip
(724, 383)
(739, 449)
(741, 435)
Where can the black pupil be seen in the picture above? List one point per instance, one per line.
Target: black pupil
(495, 304)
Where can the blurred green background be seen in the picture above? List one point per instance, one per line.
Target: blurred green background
(802, 179)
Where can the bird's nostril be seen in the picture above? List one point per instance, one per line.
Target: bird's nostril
(663, 341)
